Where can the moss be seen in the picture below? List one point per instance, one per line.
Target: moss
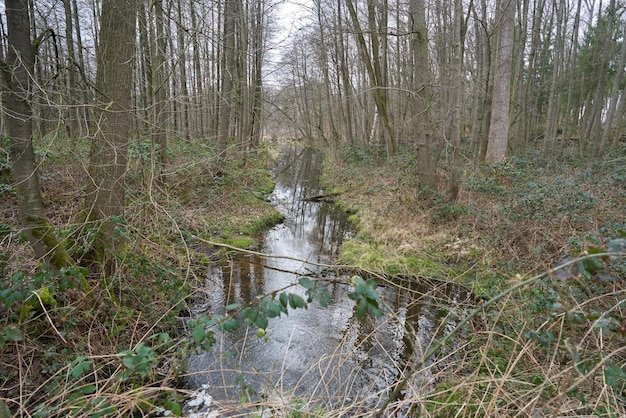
(44, 233)
(382, 259)
(261, 223)
(243, 241)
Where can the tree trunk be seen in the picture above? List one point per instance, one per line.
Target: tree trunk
(552, 119)
(17, 87)
(499, 126)
(228, 72)
(456, 72)
(105, 191)
(374, 71)
(159, 88)
(421, 88)
(184, 128)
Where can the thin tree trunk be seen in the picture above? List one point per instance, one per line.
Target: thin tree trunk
(159, 87)
(373, 67)
(615, 97)
(182, 65)
(228, 72)
(17, 88)
(553, 103)
(499, 125)
(458, 37)
(421, 88)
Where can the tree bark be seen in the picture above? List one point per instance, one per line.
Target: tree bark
(499, 126)
(17, 86)
(105, 191)
(228, 72)
(421, 90)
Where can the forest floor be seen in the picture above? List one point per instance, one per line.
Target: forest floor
(554, 347)
(544, 342)
(65, 355)
(521, 216)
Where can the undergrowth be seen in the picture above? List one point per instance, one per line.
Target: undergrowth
(552, 347)
(120, 351)
(539, 244)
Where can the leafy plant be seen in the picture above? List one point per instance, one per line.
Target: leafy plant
(366, 298)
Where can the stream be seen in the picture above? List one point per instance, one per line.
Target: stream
(324, 356)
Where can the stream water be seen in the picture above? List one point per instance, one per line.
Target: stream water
(322, 355)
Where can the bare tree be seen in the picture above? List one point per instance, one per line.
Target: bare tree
(374, 66)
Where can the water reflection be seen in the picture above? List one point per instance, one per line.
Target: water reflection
(323, 354)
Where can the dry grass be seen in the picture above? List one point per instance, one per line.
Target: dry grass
(552, 348)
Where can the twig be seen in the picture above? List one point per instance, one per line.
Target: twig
(48, 316)
(434, 349)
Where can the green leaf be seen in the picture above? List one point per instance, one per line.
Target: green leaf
(306, 282)
(164, 337)
(12, 333)
(198, 333)
(273, 309)
(88, 390)
(284, 299)
(603, 322)
(593, 265)
(129, 360)
(374, 311)
(361, 309)
(228, 325)
(233, 306)
(296, 301)
(250, 314)
(323, 297)
(617, 245)
(356, 281)
(80, 366)
(176, 409)
(262, 321)
(613, 373)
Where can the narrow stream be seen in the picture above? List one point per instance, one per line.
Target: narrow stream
(322, 355)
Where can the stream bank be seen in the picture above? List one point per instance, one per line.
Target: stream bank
(322, 355)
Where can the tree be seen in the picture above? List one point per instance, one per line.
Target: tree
(421, 87)
(499, 126)
(17, 86)
(372, 61)
(228, 72)
(105, 191)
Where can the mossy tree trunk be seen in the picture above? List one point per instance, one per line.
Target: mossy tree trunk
(105, 191)
(17, 88)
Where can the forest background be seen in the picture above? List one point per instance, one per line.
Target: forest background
(474, 141)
